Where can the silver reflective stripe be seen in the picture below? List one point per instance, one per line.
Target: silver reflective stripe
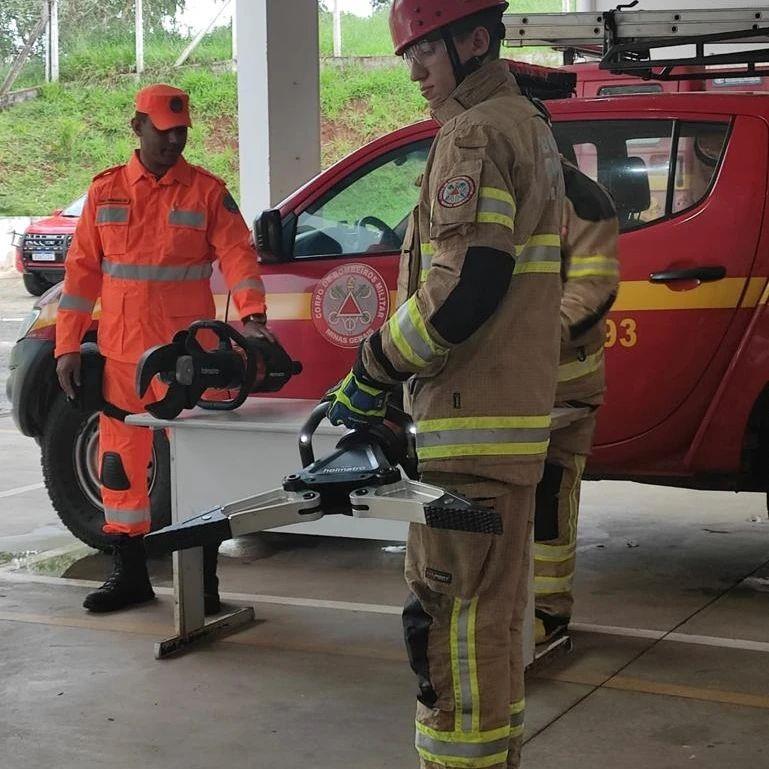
(248, 283)
(463, 663)
(427, 251)
(540, 254)
(126, 517)
(112, 215)
(187, 218)
(517, 719)
(492, 206)
(199, 271)
(488, 435)
(74, 302)
(411, 334)
(451, 749)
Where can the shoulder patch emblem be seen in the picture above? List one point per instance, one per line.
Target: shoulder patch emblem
(456, 192)
(230, 204)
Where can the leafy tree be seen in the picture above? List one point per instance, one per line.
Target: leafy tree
(377, 5)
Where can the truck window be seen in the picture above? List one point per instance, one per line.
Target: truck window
(368, 211)
(700, 149)
(631, 158)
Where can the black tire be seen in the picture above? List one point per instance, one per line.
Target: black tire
(69, 443)
(35, 284)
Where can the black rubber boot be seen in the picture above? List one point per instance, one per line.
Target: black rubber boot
(129, 583)
(211, 602)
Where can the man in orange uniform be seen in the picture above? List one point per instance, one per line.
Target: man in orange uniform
(144, 245)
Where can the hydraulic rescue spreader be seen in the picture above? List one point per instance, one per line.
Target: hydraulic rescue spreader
(362, 477)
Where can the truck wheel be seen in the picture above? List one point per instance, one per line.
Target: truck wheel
(70, 446)
(35, 284)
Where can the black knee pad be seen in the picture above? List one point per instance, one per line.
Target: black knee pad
(113, 474)
(546, 511)
(416, 629)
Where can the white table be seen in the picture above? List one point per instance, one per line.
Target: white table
(219, 457)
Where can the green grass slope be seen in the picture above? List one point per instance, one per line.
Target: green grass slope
(51, 147)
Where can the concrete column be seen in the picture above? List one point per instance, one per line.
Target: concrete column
(139, 35)
(278, 99)
(54, 42)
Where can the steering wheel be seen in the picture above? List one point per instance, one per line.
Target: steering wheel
(389, 236)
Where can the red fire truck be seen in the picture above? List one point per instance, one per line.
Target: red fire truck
(687, 340)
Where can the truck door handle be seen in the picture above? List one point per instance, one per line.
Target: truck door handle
(703, 274)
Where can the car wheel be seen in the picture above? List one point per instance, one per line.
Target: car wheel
(70, 448)
(35, 284)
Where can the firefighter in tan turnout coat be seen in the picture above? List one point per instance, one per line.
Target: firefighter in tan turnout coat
(476, 341)
(591, 274)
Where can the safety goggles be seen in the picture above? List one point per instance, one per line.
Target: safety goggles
(424, 52)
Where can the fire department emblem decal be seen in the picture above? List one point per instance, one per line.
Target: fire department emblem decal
(349, 303)
(456, 192)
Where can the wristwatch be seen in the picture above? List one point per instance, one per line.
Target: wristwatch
(256, 317)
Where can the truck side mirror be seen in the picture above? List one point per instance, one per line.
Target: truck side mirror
(268, 234)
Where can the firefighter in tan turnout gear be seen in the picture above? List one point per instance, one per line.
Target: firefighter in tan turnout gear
(591, 273)
(476, 340)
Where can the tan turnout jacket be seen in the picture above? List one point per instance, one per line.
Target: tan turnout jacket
(477, 331)
(591, 273)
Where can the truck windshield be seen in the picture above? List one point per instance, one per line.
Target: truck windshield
(75, 209)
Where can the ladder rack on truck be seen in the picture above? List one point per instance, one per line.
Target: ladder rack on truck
(626, 40)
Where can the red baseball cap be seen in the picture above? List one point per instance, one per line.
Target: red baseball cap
(166, 106)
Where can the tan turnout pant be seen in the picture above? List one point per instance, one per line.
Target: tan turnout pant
(463, 624)
(557, 516)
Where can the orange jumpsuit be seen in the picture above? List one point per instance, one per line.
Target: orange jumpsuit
(145, 247)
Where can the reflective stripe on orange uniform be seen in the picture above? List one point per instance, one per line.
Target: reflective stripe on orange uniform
(146, 247)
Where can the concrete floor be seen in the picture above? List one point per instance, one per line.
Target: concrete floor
(669, 667)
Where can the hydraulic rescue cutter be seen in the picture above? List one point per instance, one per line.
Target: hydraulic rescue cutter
(189, 367)
(360, 478)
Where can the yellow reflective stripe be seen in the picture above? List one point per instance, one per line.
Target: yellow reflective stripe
(454, 644)
(486, 217)
(497, 194)
(552, 585)
(517, 731)
(550, 268)
(411, 337)
(473, 664)
(423, 275)
(553, 553)
(483, 450)
(568, 372)
(517, 707)
(463, 763)
(592, 266)
(463, 748)
(427, 248)
(467, 423)
(474, 736)
(403, 346)
(539, 240)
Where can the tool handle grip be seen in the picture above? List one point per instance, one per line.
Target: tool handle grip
(318, 414)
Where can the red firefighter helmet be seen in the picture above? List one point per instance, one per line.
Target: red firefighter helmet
(411, 20)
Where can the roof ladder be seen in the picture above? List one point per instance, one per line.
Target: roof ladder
(626, 40)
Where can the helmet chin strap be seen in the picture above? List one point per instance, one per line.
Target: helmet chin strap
(461, 71)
